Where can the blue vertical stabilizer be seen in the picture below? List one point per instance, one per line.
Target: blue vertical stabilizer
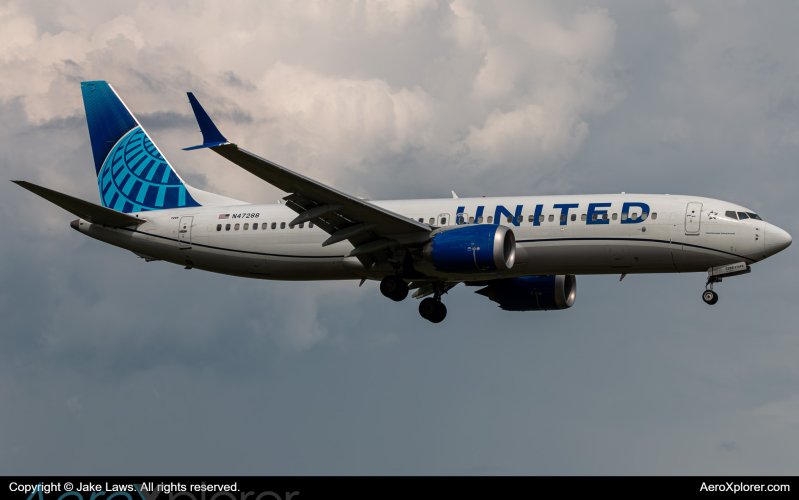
(107, 116)
(132, 174)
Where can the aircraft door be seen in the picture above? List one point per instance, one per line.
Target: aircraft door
(184, 232)
(692, 215)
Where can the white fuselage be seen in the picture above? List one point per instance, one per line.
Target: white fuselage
(665, 242)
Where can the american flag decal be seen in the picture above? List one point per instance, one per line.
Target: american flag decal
(224, 216)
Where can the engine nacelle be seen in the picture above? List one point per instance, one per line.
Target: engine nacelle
(533, 293)
(474, 248)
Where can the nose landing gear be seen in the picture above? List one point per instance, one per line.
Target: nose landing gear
(709, 296)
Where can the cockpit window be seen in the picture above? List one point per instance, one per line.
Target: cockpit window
(730, 214)
(742, 215)
(753, 216)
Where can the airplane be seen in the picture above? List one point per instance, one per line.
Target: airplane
(524, 252)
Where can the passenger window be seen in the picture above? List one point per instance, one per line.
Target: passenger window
(219, 227)
(593, 216)
(274, 225)
(654, 215)
(583, 217)
(246, 226)
(282, 225)
(520, 218)
(562, 218)
(644, 215)
(432, 220)
(615, 216)
(227, 227)
(443, 221)
(480, 220)
(236, 227)
(531, 218)
(551, 218)
(490, 219)
(540, 218)
(291, 226)
(635, 215)
(510, 219)
(310, 225)
(624, 216)
(255, 226)
(574, 217)
(302, 225)
(742, 215)
(471, 220)
(421, 219)
(604, 216)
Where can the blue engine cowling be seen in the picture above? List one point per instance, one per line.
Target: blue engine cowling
(533, 293)
(475, 248)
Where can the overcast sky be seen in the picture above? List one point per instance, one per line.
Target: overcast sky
(111, 365)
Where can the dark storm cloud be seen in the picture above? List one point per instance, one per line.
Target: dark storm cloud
(230, 78)
(399, 100)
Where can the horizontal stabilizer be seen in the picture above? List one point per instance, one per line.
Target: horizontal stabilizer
(83, 209)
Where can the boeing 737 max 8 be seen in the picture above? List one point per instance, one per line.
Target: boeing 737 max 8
(523, 251)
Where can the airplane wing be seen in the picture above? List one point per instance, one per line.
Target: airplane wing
(370, 229)
(83, 209)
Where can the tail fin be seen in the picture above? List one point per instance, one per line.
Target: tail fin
(132, 174)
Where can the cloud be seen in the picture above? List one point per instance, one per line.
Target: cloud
(534, 88)
(684, 16)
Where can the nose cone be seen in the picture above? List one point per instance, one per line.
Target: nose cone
(777, 240)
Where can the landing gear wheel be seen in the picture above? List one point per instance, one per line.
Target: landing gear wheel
(427, 307)
(432, 310)
(394, 288)
(440, 314)
(710, 297)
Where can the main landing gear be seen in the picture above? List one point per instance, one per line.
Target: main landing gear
(394, 288)
(709, 296)
(431, 308)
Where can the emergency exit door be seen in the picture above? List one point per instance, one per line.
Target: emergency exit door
(692, 215)
(184, 232)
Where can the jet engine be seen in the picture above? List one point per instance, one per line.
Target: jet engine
(474, 248)
(533, 293)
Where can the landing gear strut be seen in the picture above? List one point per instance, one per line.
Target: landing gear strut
(709, 296)
(394, 288)
(432, 309)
